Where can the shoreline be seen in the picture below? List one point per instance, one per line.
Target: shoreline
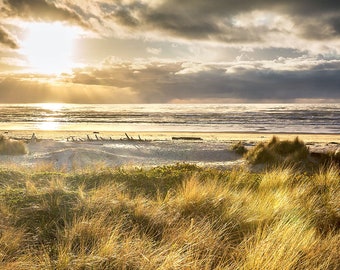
(62, 135)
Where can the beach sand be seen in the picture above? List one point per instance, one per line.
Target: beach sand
(154, 135)
(71, 150)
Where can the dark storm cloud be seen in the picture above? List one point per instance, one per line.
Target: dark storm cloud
(158, 82)
(287, 85)
(203, 28)
(228, 7)
(260, 85)
(308, 7)
(42, 10)
(123, 14)
(213, 20)
(124, 17)
(201, 20)
(7, 40)
(182, 25)
(181, 22)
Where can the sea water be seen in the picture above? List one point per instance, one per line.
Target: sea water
(266, 118)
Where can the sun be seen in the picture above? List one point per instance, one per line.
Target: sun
(49, 47)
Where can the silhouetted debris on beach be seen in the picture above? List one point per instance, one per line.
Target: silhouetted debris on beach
(188, 138)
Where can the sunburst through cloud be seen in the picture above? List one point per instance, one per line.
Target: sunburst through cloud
(49, 47)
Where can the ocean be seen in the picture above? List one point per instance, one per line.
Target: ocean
(266, 118)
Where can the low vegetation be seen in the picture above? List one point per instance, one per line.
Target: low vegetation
(279, 152)
(331, 157)
(173, 217)
(12, 147)
(239, 148)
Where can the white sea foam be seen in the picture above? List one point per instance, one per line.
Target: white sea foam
(269, 118)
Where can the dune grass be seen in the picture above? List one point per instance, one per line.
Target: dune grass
(12, 147)
(277, 152)
(172, 217)
(239, 148)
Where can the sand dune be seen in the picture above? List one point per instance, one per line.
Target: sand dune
(117, 153)
(213, 150)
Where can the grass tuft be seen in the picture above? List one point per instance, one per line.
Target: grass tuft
(239, 148)
(278, 152)
(12, 147)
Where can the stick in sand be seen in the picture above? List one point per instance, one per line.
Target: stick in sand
(33, 138)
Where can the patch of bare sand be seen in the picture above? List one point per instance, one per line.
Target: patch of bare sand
(213, 150)
(206, 136)
(71, 155)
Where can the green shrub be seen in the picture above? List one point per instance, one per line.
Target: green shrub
(12, 147)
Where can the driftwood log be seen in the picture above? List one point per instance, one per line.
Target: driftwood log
(188, 138)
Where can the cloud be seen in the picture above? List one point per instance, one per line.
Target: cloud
(258, 23)
(124, 17)
(285, 80)
(7, 40)
(155, 51)
(24, 89)
(178, 22)
(282, 81)
(43, 10)
(36, 10)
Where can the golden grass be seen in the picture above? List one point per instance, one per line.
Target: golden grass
(239, 148)
(12, 147)
(174, 217)
(278, 152)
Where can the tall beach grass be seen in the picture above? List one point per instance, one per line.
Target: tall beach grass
(172, 217)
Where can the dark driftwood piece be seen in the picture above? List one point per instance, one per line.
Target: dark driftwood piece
(127, 136)
(103, 139)
(188, 138)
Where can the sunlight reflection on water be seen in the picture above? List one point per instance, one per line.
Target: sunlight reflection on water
(48, 125)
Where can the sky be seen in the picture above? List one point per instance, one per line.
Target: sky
(170, 51)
